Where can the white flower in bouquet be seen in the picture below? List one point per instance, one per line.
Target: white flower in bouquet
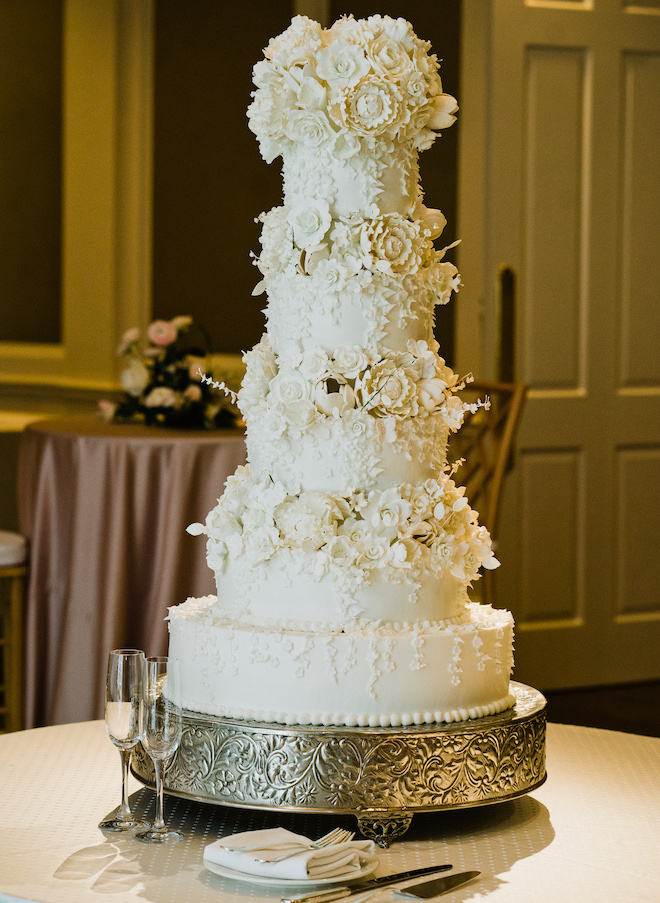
(297, 44)
(162, 397)
(134, 377)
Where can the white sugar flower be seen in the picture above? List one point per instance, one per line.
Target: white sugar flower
(331, 274)
(341, 551)
(315, 364)
(373, 551)
(289, 386)
(334, 403)
(341, 65)
(297, 44)
(385, 389)
(402, 553)
(431, 393)
(350, 362)
(391, 244)
(300, 414)
(374, 106)
(273, 422)
(354, 529)
(309, 127)
(311, 94)
(310, 220)
(262, 544)
(389, 58)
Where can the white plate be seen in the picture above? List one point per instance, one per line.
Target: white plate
(368, 868)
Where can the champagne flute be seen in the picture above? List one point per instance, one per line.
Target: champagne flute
(161, 720)
(123, 698)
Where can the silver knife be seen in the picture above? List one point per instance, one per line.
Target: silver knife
(335, 893)
(428, 889)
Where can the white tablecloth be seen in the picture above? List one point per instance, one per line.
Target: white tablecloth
(590, 833)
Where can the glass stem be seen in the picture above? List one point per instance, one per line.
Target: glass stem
(125, 809)
(159, 769)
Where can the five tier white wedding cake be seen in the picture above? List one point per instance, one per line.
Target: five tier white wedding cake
(344, 551)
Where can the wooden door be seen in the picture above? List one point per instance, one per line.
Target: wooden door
(560, 186)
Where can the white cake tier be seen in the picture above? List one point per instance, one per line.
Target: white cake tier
(343, 454)
(286, 588)
(374, 180)
(363, 676)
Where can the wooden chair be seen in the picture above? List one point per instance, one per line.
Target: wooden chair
(13, 578)
(486, 442)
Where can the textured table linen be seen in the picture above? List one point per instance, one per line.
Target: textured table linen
(590, 834)
(105, 508)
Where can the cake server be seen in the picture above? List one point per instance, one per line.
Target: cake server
(337, 892)
(428, 889)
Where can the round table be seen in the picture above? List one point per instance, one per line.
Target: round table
(105, 508)
(590, 834)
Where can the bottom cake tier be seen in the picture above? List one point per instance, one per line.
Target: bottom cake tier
(367, 675)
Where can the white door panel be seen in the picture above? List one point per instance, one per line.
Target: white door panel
(560, 181)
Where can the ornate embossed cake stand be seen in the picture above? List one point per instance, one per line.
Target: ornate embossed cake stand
(380, 775)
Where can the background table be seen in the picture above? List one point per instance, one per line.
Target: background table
(105, 508)
(590, 834)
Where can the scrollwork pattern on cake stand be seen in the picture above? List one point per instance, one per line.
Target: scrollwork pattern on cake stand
(381, 775)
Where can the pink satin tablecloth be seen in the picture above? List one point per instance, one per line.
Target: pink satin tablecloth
(105, 509)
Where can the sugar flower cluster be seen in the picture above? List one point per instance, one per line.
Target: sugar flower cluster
(357, 81)
(307, 240)
(294, 394)
(400, 528)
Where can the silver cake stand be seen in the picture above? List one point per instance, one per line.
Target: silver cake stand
(382, 776)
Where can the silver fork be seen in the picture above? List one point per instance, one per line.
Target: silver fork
(338, 835)
(288, 844)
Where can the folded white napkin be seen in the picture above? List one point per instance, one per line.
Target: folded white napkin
(343, 860)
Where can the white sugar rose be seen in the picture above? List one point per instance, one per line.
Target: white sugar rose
(389, 58)
(315, 364)
(442, 279)
(350, 362)
(391, 244)
(300, 414)
(341, 65)
(354, 529)
(372, 107)
(134, 378)
(373, 551)
(289, 386)
(397, 30)
(309, 127)
(386, 510)
(310, 220)
(346, 146)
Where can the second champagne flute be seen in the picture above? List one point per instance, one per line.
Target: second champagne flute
(161, 714)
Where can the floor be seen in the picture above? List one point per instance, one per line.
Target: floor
(634, 708)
